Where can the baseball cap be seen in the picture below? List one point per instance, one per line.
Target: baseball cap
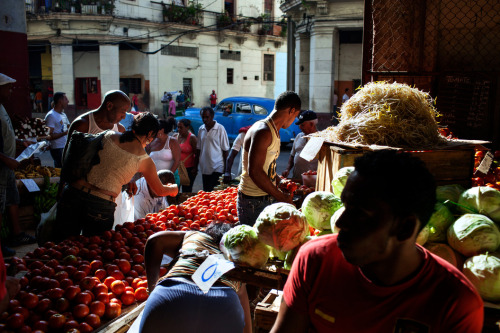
(306, 116)
(4, 79)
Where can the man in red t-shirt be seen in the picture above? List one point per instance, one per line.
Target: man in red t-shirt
(213, 99)
(372, 276)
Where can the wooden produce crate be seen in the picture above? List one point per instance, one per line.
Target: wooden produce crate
(449, 166)
(267, 311)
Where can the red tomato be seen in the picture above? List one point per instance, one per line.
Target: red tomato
(57, 321)
(15, 321)
(85, 297)
(117, 287)
(80, 311)
(29, 301)
(113, 310)
(127, 298)
(141, 294)
(93, 320)
(97, 308)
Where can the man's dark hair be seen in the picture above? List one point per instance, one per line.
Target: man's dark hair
(58, 96)
(115, 96)
(143, 123)
(217, 229)
(166, 176)
(209, 109)
(401, 180)
(288, 99)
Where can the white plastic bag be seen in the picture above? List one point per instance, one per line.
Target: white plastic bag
(124, 211)
(46, 228)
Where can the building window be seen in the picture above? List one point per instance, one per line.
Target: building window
(229, 75)
(268, 67)
(187, 87)
(180, 51)
(132, 85)
(230, 55)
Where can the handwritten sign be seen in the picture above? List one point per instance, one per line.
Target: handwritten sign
(211, 270)
(30, 185)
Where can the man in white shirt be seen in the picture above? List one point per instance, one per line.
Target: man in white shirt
(307, 124)
(211, 150)
(345, 98)
(145, 200)
(58, 123)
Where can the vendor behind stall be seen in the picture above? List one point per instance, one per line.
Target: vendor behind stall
(372, 276)
(176, 303)
(261, 148)
(307, 124)
(87, 204)
(145, 200)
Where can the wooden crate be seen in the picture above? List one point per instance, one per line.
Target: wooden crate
(450, 166)
(267, 311)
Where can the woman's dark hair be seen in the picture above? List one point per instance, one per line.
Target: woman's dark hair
(144, 123)
(167, 125)
(217, 229)
(187, 123)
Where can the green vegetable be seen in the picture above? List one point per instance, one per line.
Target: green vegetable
(447, 253)
(243, 246)
(483, 271)
(449, 192)
(481, 200)
(281, 226)
(423, 236)
(335, 217)
(339, 180)
(318, 207)
(473, 234)
(439, 223)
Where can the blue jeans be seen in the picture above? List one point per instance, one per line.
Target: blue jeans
(181, 307)
(250, 208)
(57, 157)
(80, 212)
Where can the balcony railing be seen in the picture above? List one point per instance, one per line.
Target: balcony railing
(102, 7)
(191, 15)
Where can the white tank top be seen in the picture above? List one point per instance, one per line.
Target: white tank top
(247, 186)
(94, 129)
(163, 158)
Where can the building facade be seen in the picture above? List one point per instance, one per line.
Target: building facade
(325, 54)
(145, 48)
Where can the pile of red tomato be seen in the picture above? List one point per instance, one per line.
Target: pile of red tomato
(79, 283)
(492, 178)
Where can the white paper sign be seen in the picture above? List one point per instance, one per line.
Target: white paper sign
(211, 270)
(30, 185)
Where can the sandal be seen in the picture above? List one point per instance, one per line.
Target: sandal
(22, 239)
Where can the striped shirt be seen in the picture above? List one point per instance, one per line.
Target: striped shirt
(191, 256)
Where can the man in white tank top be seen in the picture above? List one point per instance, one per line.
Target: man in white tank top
(107, 116)
(261, 148)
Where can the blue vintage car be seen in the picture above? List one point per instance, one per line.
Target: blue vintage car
(236, 112)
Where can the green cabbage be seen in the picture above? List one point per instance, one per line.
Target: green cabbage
(281, 226)
(335, 217)
(473, 234)
(439, 223)
(339, 180)
(290, 255)
(449, 192)
(423, 235)
(318, 207)
(483, 271)
(483, 200)
(447, 253)
(243, 246)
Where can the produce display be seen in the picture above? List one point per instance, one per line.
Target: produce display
(492, 178)
(79, 283)
(45, 199)
(30, 128)
(243, 246)
(387, 114)
(32, 171)
(318, 208)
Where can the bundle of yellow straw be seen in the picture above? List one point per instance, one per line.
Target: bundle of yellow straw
(387, 114)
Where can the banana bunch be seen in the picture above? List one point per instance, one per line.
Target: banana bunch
(45, 199)
(32, 171)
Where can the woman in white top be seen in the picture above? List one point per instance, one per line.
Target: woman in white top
(87, 205)
(165, 150)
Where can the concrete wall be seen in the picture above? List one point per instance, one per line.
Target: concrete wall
(351, 56)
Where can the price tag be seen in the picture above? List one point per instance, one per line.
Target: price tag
(485, 165)
(30, 185)
(211, 270)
